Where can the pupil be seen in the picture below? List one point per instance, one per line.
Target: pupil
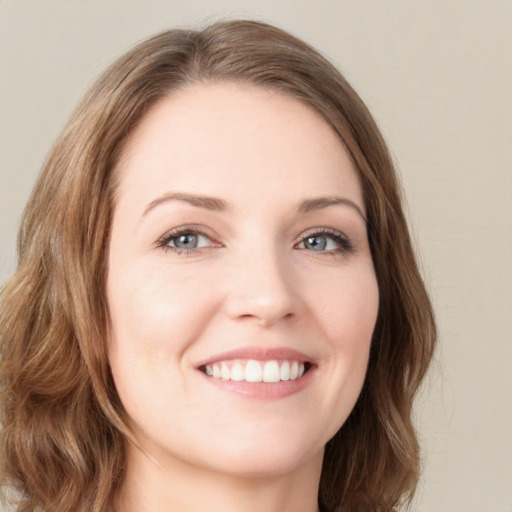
(186, 241)
(317, 243)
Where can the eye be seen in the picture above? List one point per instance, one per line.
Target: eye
(185, 240)
(188, 241)
(325, 240)
(318, 243)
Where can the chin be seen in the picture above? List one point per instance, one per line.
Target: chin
(266, 455)
(267, 465)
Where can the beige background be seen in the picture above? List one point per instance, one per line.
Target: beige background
(438, 77)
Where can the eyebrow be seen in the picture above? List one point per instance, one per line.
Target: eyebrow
(209, 203)
(216, 204)
(318, 203)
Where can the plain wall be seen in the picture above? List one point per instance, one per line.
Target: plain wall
(438, 77)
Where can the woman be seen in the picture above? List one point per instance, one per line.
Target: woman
(217, 304)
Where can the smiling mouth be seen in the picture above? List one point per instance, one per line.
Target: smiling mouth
(254, 371)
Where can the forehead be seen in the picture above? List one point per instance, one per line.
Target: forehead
(227, 139)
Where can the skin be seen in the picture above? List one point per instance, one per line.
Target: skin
(252, 281)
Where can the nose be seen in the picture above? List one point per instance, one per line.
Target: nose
(262, 289)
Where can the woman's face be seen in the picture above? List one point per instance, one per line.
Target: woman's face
(238, 249)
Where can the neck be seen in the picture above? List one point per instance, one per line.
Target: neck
(152, 487)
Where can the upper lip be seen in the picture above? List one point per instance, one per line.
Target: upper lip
(259, 354)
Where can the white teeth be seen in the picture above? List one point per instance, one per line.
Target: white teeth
(253, 371)
(271, 372)
(256, 371)
(237, 372)
(225, 372)
(294, 370)
(284, 372)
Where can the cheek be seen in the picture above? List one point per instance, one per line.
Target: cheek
(156, 311)
(347, 312)
(347, 308)
(155, 316)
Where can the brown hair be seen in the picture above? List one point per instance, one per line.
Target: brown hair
(63, 438)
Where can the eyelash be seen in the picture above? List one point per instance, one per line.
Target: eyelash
(164, 242)
(345, 246)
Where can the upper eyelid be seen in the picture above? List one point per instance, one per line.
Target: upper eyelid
(322, 231)
(188, 228)
(175, 232)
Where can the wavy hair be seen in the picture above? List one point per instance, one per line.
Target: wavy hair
(63, 438)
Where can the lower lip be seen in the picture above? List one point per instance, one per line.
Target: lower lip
(263, 390)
